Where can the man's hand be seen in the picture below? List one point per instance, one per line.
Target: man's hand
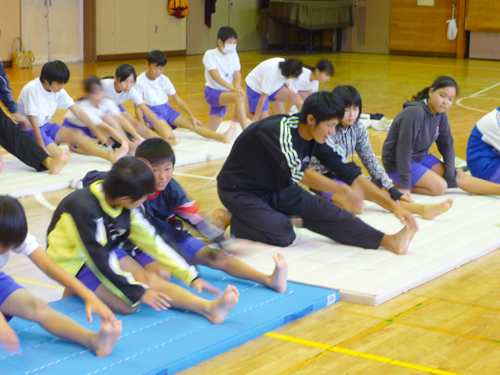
(95, 305)
(406, 218)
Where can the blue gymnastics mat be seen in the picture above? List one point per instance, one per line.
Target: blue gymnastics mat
(164, 342)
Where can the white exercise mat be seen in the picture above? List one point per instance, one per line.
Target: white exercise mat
(468, 231)
(19, 180)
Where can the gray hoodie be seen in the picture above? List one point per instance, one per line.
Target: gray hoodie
(410, 137)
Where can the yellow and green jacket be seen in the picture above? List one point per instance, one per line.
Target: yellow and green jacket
(85, 229)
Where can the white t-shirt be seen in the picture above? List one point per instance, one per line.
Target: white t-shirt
(34, 100)
(28, 246)
(225, 64)
(108, 85)
(95, 114)
(303, 82)
(154, 92)
(489, 126)
(266, 77)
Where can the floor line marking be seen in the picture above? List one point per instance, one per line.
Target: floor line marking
(337, 349)
(20, 279)
(459, 101)
(193, 175)
(41, 199)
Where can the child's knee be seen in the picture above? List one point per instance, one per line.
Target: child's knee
(124, 309)
(358, 207)
(214, 258)
(36, 309)
(439, 187)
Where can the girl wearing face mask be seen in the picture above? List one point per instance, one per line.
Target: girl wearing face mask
(310, 79)
(352, 136)
(101, 111)
(405, 153)
(223, 80)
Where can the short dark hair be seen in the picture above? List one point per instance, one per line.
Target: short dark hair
(324, 106)
(129, 177)
(13, 224)
(91, 81)
(55, 71)
(157, 57)
(291, 67)
(226, 32)
(350, 96)
(123, 72)
(155, 150)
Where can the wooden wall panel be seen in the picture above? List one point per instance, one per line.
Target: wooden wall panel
(105, 27)
(10, 26)
(421, 28)
(482, 15)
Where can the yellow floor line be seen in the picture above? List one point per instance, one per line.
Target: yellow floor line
(372, 357)
(20, 279)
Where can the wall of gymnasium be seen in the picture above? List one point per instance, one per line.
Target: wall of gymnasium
(422, 30)
(10, 26)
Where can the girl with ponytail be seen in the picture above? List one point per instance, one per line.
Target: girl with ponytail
(405, 153)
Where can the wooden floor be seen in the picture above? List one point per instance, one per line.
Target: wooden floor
(448, 326)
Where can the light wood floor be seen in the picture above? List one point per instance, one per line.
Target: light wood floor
(448, 326)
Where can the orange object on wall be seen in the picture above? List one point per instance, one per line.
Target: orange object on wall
(178, 8)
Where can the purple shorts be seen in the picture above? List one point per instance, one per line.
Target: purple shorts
(121, 108)
(84, 129)
(190, 246)
(418, 169)
(7, 287)
(212, 97)
(90, 280)
(253, 99)
(164, 112)
(327, 195)
(48, 132)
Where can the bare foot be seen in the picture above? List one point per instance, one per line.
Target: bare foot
(398, 243)
(433, 210)
(174, 140)
(102, 343)
(221, 218)
(227, 136)
(222, 306)
(277, 280)
(55, 165)
(120, 153)
(1, 163)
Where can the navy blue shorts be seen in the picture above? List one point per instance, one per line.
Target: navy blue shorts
(190, 246)
(90, 280)
(418, 169)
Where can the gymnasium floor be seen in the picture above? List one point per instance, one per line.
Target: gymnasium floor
(450, 325)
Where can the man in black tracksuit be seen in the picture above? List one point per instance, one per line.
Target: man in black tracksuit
(258, 183)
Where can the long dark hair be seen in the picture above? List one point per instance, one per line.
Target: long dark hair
(439, 83)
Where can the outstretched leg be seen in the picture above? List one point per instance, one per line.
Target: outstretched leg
(22, 304)
(186, 123)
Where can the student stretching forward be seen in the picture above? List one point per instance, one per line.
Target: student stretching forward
(223, 76)
(309, 80)
(17, 142)
(405, 153)
(261, 191)
(267, 83)
(103, 113)
(120, 88)
(16, 301)
(155, 88)
(39, 100)
(85, 238)
(483, 148)
(352, 136)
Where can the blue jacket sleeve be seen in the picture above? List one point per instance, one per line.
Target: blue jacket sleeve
(5, 92)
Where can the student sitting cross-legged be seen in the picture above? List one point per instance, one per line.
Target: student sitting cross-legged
(86, 235)
(16, 301)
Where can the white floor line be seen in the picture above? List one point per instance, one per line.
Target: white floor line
(459, 101)
(193, 175)
(41, 199)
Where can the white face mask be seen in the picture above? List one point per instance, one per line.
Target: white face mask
(229, 48)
